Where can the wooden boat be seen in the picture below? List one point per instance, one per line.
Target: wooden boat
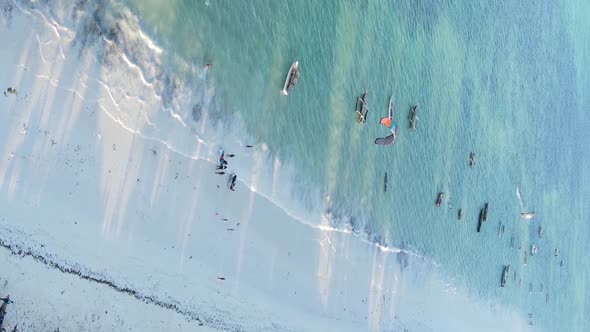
(291, 79)
(505, 275)
(485, 212)
(480, 222)
(460, 214)
(471, 159)
(439, 199)
(361, 107)
(413, 117)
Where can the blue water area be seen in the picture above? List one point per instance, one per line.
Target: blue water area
(507, 80)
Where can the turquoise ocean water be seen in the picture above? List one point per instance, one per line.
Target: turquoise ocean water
(507, 80)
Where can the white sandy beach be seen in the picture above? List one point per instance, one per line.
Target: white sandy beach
(113, 219)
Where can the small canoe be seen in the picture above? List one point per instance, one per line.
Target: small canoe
(291, 79)
(413, 117)
(439, 199)
(361, 107)
(505, 275)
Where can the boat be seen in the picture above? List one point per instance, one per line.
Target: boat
(385, 183)
(439, 199)
(361, 107)
(556, 252)
(291, 79)
(471, 159)
(460, 214)
(525, 257)
(540, 231)
(413, 117)
(500, 230)
(533, 250)
(485, 212)
(505, 275)
(480, 222)
(527, 215)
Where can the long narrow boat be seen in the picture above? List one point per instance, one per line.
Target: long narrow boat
(361, 107)
(505, 275)
(527, 215)
(291, 79)
(439, 199)
(413, 117)
(480, 222)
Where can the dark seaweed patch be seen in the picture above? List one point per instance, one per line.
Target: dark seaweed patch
(83, 273)
(197, 112)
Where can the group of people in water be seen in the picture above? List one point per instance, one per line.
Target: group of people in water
(222, 165)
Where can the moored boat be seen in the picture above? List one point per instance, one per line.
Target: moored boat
(413, 117)
(291, 79)
(527, 215)
(505, 275)
(439, 199)
(361, 107)
(480, 222)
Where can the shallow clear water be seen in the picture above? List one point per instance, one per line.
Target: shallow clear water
(506, 80)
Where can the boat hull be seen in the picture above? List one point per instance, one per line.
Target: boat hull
(286, 86)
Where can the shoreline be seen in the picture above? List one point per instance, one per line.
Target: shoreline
(82, 187)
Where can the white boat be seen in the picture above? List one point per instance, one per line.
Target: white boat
(291, 79)
(527, 215)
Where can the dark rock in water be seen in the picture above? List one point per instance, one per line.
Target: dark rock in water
(402, 259)
(197, 112)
